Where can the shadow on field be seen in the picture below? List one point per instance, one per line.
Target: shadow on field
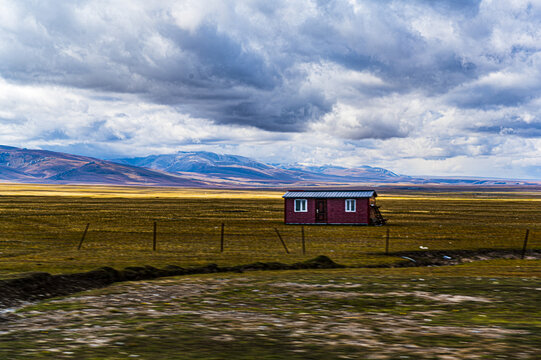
(37, 286)
(454, 257)
(42, 285)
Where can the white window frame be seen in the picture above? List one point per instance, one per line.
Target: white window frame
(303, 207)
(352, 205)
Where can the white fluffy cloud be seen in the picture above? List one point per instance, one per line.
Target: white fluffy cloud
(420, 87)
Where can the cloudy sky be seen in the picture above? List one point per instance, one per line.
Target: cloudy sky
(418, 86)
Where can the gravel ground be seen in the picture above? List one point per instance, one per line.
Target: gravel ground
(282, 315)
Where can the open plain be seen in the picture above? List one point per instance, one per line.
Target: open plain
(477, 309)
(41, 227)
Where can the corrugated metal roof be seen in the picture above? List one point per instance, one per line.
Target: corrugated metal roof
(330, 194)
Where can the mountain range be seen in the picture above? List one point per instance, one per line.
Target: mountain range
(49, 167)
(242, 169)
(196, 169)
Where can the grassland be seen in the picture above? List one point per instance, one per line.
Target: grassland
(479, 310)
(40, 227)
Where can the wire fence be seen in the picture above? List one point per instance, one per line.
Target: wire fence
(44, 229)
(267, 236)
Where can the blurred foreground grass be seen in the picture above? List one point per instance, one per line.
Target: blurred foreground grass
(41, 225)
(483, 310)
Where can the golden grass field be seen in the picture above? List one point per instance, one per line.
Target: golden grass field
(41, 226)
(477, 310)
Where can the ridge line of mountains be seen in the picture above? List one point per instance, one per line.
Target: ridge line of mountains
(197, 169)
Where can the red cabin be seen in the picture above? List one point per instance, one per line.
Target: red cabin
(353, 207)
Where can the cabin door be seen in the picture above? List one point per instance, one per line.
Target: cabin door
(321, 211)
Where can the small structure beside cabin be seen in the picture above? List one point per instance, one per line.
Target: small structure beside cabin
(352, 207)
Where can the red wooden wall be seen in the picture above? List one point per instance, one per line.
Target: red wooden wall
(336, 212)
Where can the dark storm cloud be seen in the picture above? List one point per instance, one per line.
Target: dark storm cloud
(464, 7)
(250, 63)
(220, 57)
(513, 126)
(283, 118)
(486, 97)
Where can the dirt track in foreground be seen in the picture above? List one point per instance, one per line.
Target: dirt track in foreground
(39, 286)
(284, 315)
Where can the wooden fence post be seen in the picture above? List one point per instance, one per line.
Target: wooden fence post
(281, 240)
(83, 238)
(154, 238)
(303, 246)
(525, 243)
(387, 243)
(222, 239)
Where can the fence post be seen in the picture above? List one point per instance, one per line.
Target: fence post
(154, 238)
(387, 243)
(83, 238)
(303, 246)
(222, 239)
(525, 243)
(282, 240)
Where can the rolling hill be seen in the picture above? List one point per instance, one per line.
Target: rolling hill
(212, 165)
(200, 169)
(42, 166)
(243, 169)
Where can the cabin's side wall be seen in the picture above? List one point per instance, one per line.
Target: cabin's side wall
(336, 212)
(365, 210)
(292, 217)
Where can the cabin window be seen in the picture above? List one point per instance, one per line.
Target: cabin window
(350, 205)
(301, 205)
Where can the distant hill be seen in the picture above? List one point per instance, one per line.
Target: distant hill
(239, 170)
(200, 169)
(41, 166)
(364, 173)
(211, 164)
(198, 161)
(243, 169)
